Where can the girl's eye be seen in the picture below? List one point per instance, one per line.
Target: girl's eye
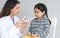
(17, 8)
(37, 12)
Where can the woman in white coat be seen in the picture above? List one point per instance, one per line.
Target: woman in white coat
(10, 25)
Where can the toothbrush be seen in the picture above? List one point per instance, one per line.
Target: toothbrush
(24, 18)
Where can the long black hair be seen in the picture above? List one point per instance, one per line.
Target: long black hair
(42, 8)
(10, 4)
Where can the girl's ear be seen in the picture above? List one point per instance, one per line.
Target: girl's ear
(43, 12)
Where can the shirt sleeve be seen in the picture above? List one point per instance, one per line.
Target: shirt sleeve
(46, 29)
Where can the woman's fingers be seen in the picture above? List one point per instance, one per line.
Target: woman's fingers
(19, 23)
(22, 23)
(26, 22)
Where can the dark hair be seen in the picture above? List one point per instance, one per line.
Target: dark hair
(42, 8)
(7, 7)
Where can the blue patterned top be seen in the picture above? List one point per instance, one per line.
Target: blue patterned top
(40, 27)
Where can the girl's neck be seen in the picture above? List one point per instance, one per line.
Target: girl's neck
(39, 18)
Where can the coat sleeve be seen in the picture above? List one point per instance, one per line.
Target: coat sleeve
(3, 32)
(17, 29)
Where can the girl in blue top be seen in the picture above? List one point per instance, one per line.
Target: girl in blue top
(41, 24)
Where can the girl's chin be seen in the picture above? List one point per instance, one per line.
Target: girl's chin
(37, 17)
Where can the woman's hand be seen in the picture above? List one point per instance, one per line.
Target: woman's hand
(25, 23)
(18, 24)
(22, 25)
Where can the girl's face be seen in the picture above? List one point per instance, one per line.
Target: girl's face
(15, 10)
(38, 13)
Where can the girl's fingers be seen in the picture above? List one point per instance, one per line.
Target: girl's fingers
(28, 33)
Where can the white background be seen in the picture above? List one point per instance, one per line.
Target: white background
(27, 6)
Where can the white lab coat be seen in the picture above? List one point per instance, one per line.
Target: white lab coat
(8, 29)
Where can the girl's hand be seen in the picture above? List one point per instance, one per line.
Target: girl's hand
(28, 33)
(35, 36)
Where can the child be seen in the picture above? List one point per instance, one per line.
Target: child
(41, 24)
